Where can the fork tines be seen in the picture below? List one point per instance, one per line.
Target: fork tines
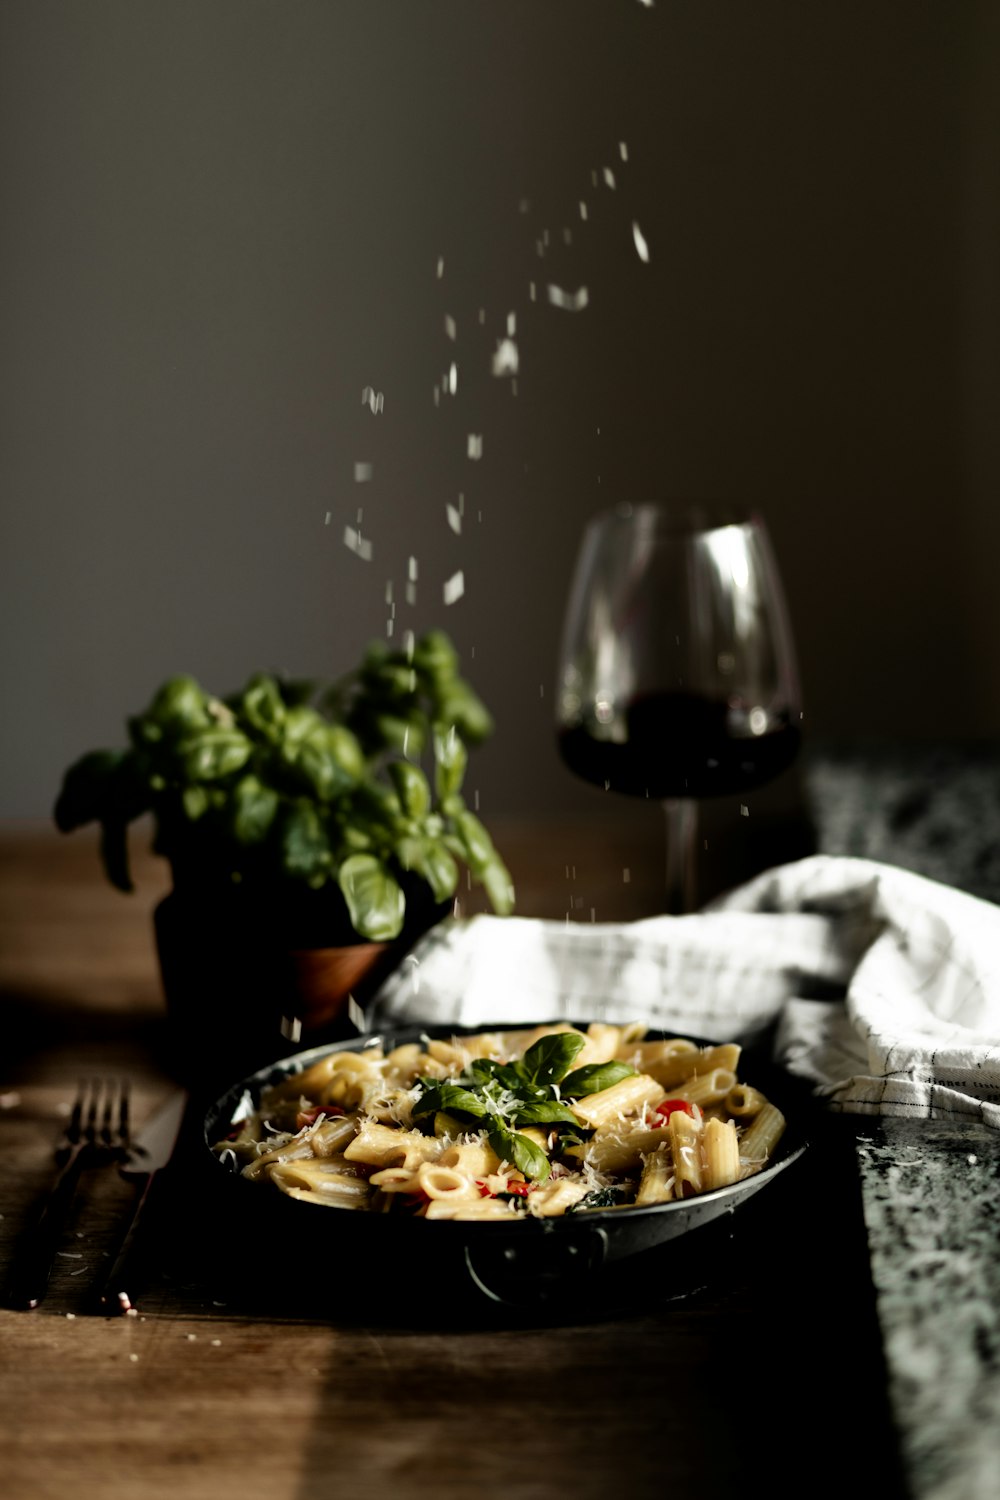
(97, 1131)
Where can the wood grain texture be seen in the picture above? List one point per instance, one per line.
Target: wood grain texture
(625, 1391)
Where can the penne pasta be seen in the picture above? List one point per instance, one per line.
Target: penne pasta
(626, 1098)
(722, 1154)
(513, 1125)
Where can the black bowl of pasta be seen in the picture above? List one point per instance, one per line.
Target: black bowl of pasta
(516, 1160)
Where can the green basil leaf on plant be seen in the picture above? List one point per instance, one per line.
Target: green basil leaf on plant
(213, 754)
(87, 789)
(253, 809)
(194, 801)
(594, 1079)
(478, 846)
(345, 750)
(520, 1152)
(463, 708)
(411, 787)
(431, 860)
(450, 760)
(374, 899)
(551, 1057)
(179, 706)
(305, 848)
(388, 731)
(261, 706)
(300, 721)
(498, 885)
(435, 657)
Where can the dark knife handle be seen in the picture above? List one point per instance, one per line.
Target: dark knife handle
(116, 1294)
(36, 1256)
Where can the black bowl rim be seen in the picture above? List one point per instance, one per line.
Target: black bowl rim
(791, 1148)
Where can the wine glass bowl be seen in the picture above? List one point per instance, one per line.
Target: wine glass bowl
(677, 676)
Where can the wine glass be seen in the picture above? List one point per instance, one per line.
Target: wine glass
(677, 676)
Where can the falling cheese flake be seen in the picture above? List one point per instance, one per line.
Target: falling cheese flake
(440, 267)
(474, 447)
(609, 177)
(623, 150)
(505, 359)
(570, 301)
(355, 1014)
(640, 242)
(373, 399)
(357, 543)
(511, 324)
(411, 570)
(452, 378)
(450, 327)
(454, 587)
(583, 209)
(363, 473)
(454, 519)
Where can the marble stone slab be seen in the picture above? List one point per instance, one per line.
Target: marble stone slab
(931, 1199)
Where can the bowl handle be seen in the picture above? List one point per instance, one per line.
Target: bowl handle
(533, 1273)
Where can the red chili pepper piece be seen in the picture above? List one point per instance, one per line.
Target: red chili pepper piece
(667, 1108)
(310, 1116)
(519, 1189)
(484, 1189)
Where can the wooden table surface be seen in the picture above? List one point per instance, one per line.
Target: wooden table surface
(707, 1367)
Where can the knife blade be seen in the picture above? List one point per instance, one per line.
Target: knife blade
(149, 1152)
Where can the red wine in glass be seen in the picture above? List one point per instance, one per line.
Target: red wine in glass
(677, 677)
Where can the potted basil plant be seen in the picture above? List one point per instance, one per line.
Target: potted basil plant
(313, 832)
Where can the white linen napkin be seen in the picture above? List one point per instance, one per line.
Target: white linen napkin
(882, 987)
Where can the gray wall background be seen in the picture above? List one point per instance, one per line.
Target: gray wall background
(222, 219)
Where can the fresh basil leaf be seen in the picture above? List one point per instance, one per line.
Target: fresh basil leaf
(253, 809)
(450, 761)
(551, 1057)
(498, 885)
(542, 1112)
(461, 707)
(213, 754)
(301, 720)
(435, 657)
(261, 706)
(449, 1096)
(486, 1069)
(431, 860)
(411, 787)
(178, 706)
(594, 1079)
(87, 789)
(520, 1151)
(305, 847)
(374, 900)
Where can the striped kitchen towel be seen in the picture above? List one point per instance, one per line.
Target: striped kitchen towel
(878, 985)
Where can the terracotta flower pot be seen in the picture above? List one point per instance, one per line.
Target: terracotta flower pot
(244, 986)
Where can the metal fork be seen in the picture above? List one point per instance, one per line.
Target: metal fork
(97, 1131)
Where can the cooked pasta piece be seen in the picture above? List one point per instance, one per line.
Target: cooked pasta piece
(625, 1098)
(761, 1136)
(722, 1153)
(706, 1088)
(656, 1185)
(685, 1145)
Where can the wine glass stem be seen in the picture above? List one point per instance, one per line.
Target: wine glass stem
(682, 831)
